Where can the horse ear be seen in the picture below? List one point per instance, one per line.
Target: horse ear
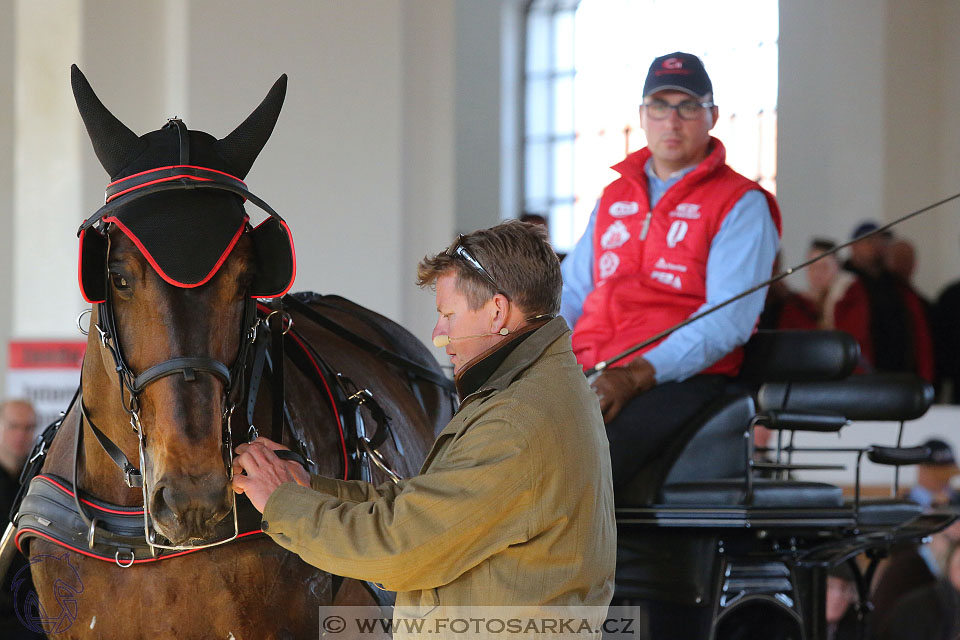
(244, 144)
(115, 145)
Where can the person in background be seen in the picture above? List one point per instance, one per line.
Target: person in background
(840, 610)
(886, 317)
(813, 308)
(945, 320)
(900, 260)
(777, 295)
(933, 477)
(676, 234)
(18, 422)
(913, 566)
(541, 220)
(931, 612)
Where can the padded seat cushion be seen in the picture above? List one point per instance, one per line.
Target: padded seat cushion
(887, 512)
(766, 494)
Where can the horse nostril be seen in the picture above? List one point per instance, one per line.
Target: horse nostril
(162, 508)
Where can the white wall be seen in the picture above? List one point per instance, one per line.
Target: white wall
(7, 41)
(362, 163)
(868, 126)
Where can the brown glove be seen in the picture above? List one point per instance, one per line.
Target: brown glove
(617, 386)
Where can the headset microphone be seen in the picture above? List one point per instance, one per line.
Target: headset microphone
(443, 340)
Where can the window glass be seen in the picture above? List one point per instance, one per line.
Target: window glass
(586, 62)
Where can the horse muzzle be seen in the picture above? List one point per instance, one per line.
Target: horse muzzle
(189, 509)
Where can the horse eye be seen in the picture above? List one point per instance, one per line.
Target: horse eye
(119, 282)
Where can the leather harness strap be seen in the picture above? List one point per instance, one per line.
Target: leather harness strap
(378, 351)
(187, 366)
(276, 335)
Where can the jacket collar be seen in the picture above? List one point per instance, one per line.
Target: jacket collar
(498, 366)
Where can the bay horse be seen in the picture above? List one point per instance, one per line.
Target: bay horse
(133, 528)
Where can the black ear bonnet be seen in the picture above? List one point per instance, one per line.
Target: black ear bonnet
(178, 195)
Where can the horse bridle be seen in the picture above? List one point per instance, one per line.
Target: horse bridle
(131, 384)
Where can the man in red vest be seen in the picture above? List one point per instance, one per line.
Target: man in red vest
(677, 233)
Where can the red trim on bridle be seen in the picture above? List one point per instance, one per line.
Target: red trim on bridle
(125, 512)
(158, 181)
(177, 166)
(40, 534)
(293, 260)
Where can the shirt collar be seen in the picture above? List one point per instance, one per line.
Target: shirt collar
(671, 180)
(498, 366)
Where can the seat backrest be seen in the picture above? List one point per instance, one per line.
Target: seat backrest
(798, 356)
(718, 449)
(711, 446)
(876, 396)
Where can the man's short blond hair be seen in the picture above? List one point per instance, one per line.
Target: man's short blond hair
(515, 254)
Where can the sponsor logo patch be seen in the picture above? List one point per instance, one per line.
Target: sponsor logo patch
(686, 210)
(670, 266)
(667, 278)
(624, 208)
(615, 235)
(608, 264)
(676, 233)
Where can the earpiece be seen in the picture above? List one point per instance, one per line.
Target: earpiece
(443, 340)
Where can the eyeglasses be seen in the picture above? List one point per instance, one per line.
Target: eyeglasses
(461, 251)
(687, 110)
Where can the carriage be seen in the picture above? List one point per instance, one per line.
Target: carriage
(715, 544)
(131, 501)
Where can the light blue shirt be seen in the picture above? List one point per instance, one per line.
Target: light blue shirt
(741, 257)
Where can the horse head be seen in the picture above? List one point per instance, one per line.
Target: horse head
(173, 266)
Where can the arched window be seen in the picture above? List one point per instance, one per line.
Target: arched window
(585, 64)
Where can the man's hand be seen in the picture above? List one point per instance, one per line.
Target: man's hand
(617, 386)
(265, 471)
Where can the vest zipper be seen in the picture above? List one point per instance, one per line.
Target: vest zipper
(646, 225)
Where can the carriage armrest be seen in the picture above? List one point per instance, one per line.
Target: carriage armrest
(782, 356)
(898, 456)
(797, 421)
(879, 396)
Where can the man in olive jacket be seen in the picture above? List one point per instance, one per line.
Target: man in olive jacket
(514, 503)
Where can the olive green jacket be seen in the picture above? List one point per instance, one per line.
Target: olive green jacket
(513, 505)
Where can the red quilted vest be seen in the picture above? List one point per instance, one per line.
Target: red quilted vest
(650, 267)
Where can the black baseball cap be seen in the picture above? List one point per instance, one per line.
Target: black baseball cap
(678, 71)
(868, 226)
(941, 453)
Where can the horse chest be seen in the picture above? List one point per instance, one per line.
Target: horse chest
(246, 592)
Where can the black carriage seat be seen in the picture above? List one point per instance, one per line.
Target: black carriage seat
(880, 397)
(707, 463)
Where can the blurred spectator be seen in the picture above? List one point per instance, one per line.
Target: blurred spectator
(18, 422)
(900, 259)
(840, 611)
(946, 333)
(777, 294)
(931, 612)
(885, 315)
(912, 566)
(536, 218)
(933, 477)
(813, 308)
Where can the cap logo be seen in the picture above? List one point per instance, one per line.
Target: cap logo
(673, 63)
